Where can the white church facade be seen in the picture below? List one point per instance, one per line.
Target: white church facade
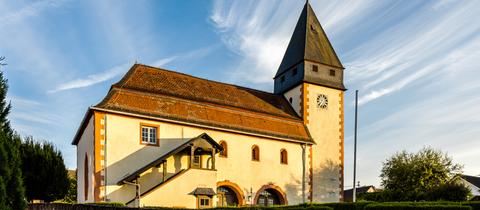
(162, 138)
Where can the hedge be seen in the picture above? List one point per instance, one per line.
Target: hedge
(405, 206)
(474, 204)
(310, 206)
(346, 205)
(296, 207)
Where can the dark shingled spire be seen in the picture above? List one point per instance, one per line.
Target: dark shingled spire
(308, 42)
(309, 57)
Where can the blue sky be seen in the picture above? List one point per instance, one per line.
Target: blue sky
(416, 63)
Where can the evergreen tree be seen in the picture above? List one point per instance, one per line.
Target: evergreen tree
(44, 172)
(4, 105)
(12, 193)
(71, 196)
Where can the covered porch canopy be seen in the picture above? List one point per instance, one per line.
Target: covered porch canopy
(202, 143)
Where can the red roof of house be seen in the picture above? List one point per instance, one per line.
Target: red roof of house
(165, 94)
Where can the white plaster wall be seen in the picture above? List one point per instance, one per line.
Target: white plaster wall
(85, 146)
(125, 155)
(473, 189)
(296, 96)
(325, 126)
(178, 192)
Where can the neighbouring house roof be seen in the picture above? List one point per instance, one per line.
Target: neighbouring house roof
(348, 194)
(180, 145)
(204, 191)
(474, 180)
(308, 42)
(164, 94)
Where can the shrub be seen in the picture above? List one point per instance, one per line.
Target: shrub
(347, 205)
(415, 206)
(474, 204)
(450, 192)
(111, 204)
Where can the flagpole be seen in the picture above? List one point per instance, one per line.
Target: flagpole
(354, 193)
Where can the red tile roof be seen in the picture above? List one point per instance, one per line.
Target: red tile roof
(159, 93)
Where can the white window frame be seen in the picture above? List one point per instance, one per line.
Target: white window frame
(149, 135)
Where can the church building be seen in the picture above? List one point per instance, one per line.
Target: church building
(163, 138)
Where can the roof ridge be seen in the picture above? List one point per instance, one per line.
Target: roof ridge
(225, 106)
(200, 78)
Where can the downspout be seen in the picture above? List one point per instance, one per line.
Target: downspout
(304, 147)
(105, 159)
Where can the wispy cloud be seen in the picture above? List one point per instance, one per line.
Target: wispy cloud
(407, 59)
(93, 79)
(122, 68)
(259, 31)
(25, 111)
(27, 11)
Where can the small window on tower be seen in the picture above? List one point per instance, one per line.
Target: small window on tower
(312, 27)
(294, 72)
(282, 79)
(290, 100)
(332, 72)
(314, 68)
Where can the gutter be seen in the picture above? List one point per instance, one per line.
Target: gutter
(199, 125)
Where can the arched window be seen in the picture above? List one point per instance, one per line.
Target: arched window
(255, 153)
(224, 153)
(226, 196)
(85, 177)
(283, 156)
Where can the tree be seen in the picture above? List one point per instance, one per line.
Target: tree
(4, 106)
(44, 172)
(451, 191)
(71, 196)
(12, 192)
(412, 176)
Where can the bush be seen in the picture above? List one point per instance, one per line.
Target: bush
(347, 205)
(415, 206)
(449, 192)
(111, 204)
(474, 204)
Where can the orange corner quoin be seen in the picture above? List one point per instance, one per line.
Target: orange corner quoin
(164, 138)
(99, 158)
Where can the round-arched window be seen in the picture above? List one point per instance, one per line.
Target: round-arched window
(226, 196)
(224, 152)
(85, 177)
(268, 197)
(283, 156)
(255, 153)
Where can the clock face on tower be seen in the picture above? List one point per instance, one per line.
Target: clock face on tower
(322, 101)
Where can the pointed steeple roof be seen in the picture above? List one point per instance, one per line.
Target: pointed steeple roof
(308, 42)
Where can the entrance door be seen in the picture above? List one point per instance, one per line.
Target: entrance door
(226, 197)
(268, 198)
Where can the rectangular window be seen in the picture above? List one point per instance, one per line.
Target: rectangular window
(314, 68)
(332, 72)
(196, 161)
(204, 201)
(282, 79)
(149, 135)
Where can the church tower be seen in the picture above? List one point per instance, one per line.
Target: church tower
(310, 77)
